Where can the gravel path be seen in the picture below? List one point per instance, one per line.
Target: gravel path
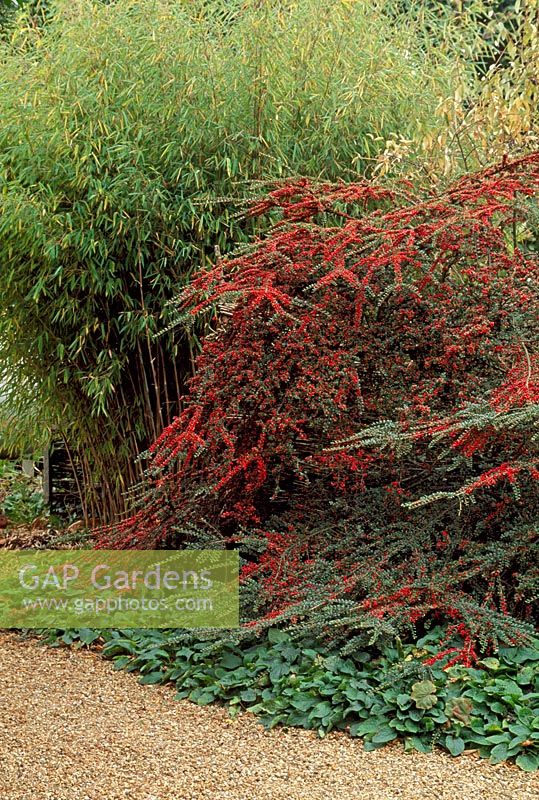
(71, 728)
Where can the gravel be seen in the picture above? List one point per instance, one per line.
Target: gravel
(71, 728)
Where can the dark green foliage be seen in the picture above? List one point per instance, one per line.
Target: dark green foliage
(7, 10)
(21, 498)
(380, 695)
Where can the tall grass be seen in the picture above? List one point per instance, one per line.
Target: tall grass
(123, 128)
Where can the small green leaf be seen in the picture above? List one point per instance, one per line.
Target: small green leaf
(322, 709)
(383, 736)
(403, 701)
(424, 694)
(121, 661)
(231, 661)
(276, 636)
(88, 636)
(528, 761)
(367, 726)
(498, 753)
(415, 743)
(202, 698)
(490, 663)
(151, 678)
(455, 745)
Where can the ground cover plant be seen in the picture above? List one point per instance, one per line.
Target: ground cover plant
(21, 496)
(398, 691)
(363, 425)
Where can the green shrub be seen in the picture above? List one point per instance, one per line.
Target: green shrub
(123, 125)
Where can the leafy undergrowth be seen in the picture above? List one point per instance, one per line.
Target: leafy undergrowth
(26, 519)
(21, 496)
(397, 692)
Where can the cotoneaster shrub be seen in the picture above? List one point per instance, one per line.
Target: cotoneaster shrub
(377, 352)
